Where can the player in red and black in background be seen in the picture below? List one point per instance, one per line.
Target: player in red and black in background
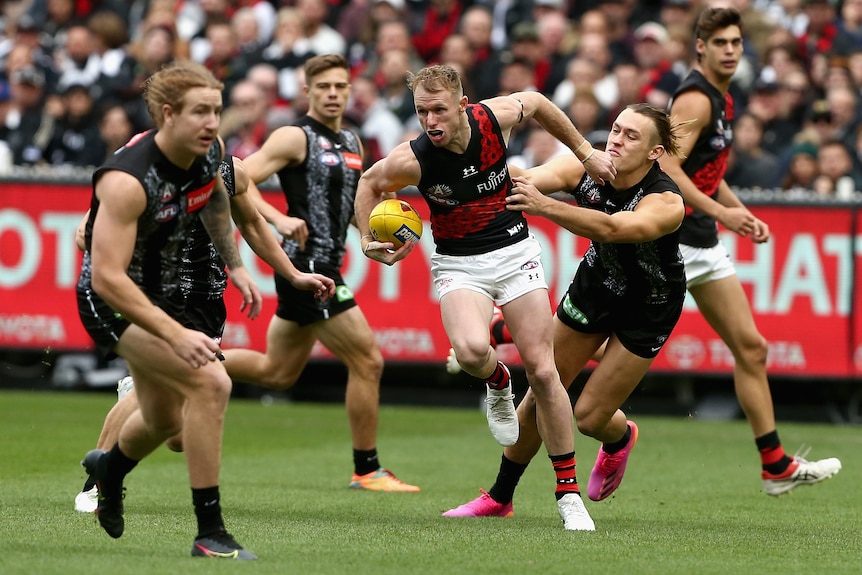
(704, 102)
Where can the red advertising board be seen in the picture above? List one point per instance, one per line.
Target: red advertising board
(800, 285)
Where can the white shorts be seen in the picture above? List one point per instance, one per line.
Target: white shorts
(503, 275)
(704, 265)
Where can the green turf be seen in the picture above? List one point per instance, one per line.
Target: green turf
(691, 502)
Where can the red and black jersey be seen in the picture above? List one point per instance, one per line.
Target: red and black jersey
(707, 162)
(467, 192)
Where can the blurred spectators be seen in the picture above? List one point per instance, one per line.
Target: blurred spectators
(681, 13)
(288, 51)
(155, 49)
(76, 60)
(27, 128)
(379, 129)
(581, 74)
(115, 129)
(244, 126)
(650, 54)
(558, 45)
(586, 111)
(749, 165)
(224, 59)
(781, 109)
(391, 35)
(802, 170)
(822, 31)
(76, 139)
(540, 147)
(441, 20)
(457, 52)
(835, 162)
(393, 71)
(799, 84)
(278, 110)
(321, 37)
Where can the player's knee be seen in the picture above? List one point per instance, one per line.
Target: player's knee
(472, 355)
(587, 421)
(214, 391)
(175, 443)
(280, 380)
(542, 376)
(755, 351)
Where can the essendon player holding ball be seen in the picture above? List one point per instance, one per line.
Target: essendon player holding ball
(485, 254)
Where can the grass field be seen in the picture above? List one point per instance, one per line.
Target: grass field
(691, 502)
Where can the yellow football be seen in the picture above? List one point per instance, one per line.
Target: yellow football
(395, 221)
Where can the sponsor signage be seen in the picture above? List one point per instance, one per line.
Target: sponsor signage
(801, 286)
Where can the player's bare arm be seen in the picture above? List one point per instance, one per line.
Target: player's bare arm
(739, 218)
(260, 238)
(514, 109)
(286, 146)
(655, 216)
(80, 232)
(398, 170)
(122, 200)
(559, 174)
(216, 217)
(693, 109)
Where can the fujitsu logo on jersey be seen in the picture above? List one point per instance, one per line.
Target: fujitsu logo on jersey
(493, 182)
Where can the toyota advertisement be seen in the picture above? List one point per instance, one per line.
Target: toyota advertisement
(801, 285)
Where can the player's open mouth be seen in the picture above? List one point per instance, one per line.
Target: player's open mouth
(435, 134)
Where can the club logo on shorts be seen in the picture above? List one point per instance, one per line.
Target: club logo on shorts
(343, 293)
(573, 312)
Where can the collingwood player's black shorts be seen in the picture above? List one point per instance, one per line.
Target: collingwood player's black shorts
(642, 326)
(106, 326)
(301, 306)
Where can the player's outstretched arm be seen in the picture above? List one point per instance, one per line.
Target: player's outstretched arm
(655, 216)
(516, 108)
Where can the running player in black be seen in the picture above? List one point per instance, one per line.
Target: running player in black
(318, 163)
(485, 254)
(146, 200)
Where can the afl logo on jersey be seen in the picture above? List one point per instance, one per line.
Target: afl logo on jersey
(329, 159)
(167, 213)
(717, 143)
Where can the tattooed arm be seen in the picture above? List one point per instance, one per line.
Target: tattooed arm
(216, 217)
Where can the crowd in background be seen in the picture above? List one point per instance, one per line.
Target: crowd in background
(72, 71)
